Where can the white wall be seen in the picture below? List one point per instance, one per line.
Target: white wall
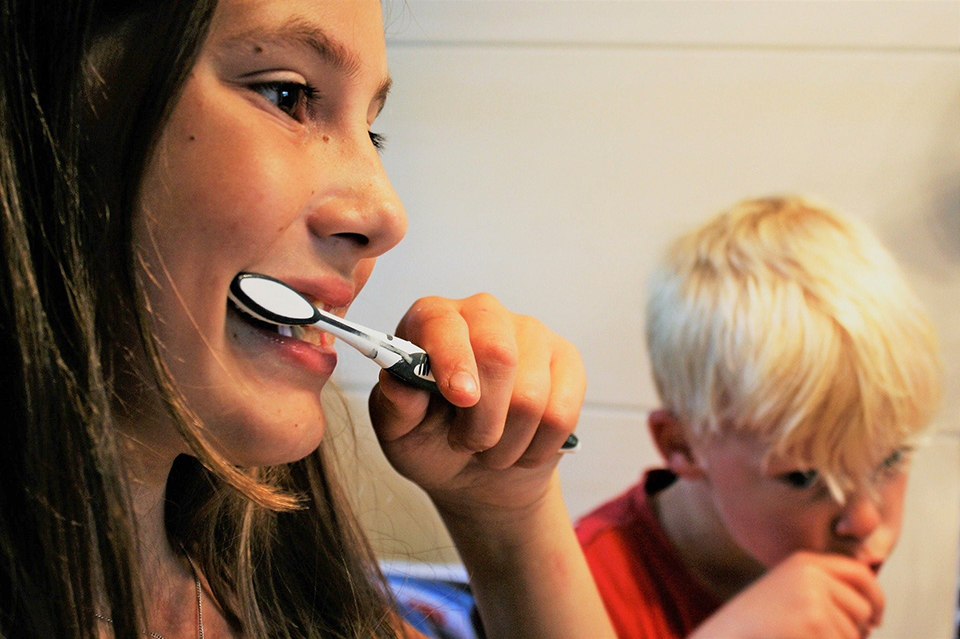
(548, 149)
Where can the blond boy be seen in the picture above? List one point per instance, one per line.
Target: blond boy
(795, 368)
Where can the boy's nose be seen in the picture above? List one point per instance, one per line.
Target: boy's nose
(859, 517)
(358, 208)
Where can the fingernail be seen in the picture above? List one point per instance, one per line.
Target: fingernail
(464, 382)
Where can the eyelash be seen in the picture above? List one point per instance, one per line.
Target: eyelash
(800, 479)
(379, 141)
(895, 461)
(306, 95)
(804, 479)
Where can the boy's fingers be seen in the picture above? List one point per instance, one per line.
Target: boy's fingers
(860, 578)
(848, 573)
(436, 325)
(842, 626)
(856, 610)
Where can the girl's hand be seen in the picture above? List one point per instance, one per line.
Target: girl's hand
(487, 456)
(513, 391)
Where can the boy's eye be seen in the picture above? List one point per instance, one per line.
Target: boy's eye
(893, 459)
(800, 478)
(896, 460)
(289, 97)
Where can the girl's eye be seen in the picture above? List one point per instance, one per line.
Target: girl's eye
(379, 141)
(289, 97)
(800, 479)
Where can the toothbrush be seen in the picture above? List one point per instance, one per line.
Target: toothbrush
(270, 300)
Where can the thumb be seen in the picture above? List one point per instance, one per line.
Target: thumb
(396, 408)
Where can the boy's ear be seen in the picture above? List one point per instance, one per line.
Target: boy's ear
(671, 440)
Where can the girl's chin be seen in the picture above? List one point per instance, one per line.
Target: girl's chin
(277, 448)
(279, 424)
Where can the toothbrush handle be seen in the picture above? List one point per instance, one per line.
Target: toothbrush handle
(416, 372)
(572, 444)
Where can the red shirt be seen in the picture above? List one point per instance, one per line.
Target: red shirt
(648, 591)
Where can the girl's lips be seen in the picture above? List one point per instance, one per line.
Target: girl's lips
(333, 294)
(317, 359)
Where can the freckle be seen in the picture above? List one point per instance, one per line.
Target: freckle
(258, 49)
(192, 138)
(326, 138)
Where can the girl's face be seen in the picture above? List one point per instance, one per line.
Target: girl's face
(268, 164)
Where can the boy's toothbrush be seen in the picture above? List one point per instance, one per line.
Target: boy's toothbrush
(270, 300)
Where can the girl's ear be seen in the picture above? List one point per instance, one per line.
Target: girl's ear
(673, 443)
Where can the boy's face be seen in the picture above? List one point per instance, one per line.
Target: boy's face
(774, 512)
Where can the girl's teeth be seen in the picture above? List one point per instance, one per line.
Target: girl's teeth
(285, 331)
(308, 334)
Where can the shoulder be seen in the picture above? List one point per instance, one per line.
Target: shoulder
(626, 513)
(611, 535)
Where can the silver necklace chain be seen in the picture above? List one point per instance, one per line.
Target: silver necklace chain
(196, 577)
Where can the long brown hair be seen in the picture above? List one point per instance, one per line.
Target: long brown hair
(85, 88)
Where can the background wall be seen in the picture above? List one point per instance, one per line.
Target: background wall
(547, 150)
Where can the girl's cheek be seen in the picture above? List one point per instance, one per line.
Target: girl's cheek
(363, 271)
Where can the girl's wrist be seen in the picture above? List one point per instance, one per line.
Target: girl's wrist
(500, 533)
(512, 505)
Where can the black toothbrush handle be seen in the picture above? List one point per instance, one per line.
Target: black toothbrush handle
(408, 372)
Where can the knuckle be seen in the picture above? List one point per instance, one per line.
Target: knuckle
(533, 461)
(817, 624)
(530, 324)
(562, 415)
(480, 440)
(495, 355)
(495, 462)
(484, 302)
(529, 402)
(428, 308)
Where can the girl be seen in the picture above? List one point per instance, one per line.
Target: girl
(165, 470)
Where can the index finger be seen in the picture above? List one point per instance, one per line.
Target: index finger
(860, 578)
(436, 325)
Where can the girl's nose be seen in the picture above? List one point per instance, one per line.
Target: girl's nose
(356, 205)
(859, 517)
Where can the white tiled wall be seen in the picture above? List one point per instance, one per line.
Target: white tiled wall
(548, 149)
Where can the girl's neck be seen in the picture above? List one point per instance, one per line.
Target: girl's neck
(166, 578)
(690, 521)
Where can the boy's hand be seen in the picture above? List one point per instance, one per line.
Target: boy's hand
(513, 393)
(807, 595)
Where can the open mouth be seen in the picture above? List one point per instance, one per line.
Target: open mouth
(309, 334)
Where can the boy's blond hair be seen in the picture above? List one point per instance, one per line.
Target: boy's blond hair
(782, 320)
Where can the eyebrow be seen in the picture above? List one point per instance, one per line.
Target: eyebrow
(304, 33)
